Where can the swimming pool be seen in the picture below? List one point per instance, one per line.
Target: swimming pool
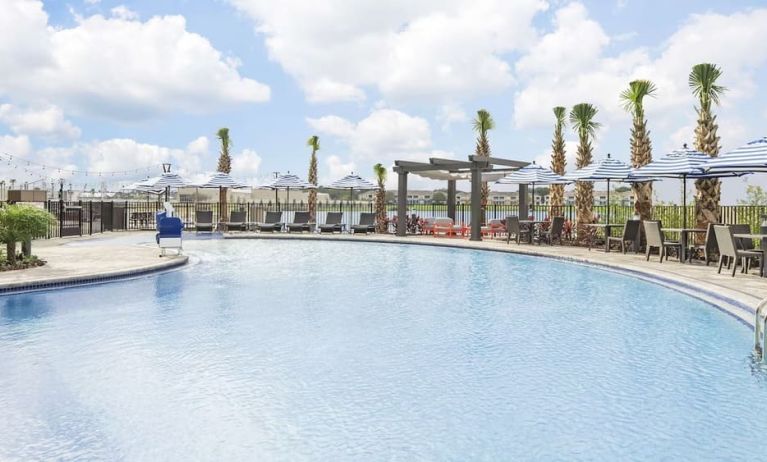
(276, 350)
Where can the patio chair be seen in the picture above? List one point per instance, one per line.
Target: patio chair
(366, 225)
(513, 228)
(728, 249)
(332, 223)
(554, 233)
(630, 236)
(744, 244)
(237, 221)
(656, 240)
(300, 223)
(709, 248)
(203, 221)
(428, 225)
(272, 222)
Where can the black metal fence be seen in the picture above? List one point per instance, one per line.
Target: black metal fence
(89, 217)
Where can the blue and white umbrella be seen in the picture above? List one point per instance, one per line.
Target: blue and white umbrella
(163, 182)
(751, 157)
(353, 182)
(607, 169)
(221, 180)
(287, 182)
(533, 174)
(682, 163)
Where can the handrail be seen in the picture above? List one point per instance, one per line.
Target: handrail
(760, 329)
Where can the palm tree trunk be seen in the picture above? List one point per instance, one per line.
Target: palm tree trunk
(10, 251)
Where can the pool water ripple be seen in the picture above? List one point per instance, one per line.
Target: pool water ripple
(338, 351)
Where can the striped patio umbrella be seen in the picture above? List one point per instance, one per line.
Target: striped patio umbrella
(533, 174)
(353, 182)
(682, 163)
(287, 182)
(751, 157)
(165, 181)
(221, 180)
(607, 169)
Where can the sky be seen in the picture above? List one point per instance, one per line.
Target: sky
(104, 92)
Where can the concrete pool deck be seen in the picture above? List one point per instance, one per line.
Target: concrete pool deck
(89, 259)
(125, 254)
(738, 296)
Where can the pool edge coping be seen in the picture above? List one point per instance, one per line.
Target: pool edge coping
(12, 288)
(741, 311)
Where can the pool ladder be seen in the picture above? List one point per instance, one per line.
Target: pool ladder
(760, 329)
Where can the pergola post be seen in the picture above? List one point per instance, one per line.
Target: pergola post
(524, 211)
(401, 202)
(451, 199)
(476, 203)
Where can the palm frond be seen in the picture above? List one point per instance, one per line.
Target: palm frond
(582, 119)
(702, 82)
(483, 122)
(314, 142)
(380, 173)
(634, 95)
(560, 112)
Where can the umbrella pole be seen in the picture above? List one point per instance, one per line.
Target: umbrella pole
(684, 201)
(608, 202)
(533, 204)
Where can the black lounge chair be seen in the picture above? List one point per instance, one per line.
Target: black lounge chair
(203, 221)
(237, 221)
(366, 225)
(333, 223)
(272, 222)
(300, 223)
(630, 236)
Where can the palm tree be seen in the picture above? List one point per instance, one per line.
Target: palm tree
(558, 161)
(582, 119)
(702, 82)
(641, 146)
(482, 124)
(224, 166)
(380, 173)
(314, 143)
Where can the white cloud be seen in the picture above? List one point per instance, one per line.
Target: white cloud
(17, 146)
(337, 168)
(563, 71)
(429, 49)
(246, 164)
(46, 121)
(116, 67)
(449, 114)
(120, 154)
(123, 12)
(384, 136)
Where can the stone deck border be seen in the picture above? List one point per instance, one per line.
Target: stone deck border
(737, 296)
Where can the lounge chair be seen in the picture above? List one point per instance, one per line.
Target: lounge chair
(728, 249)
(203, 221)
(513, 228)
(656, 240)
(493, 228)
(237, 221)
(630, 236)
(366, 225)
(300, 223)
(272, 222)
(428, 226)
(445, 227)
(332, 223)
(554, 233)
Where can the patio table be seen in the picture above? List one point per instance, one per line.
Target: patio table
(684, 234)
(763, 242)
(531, 224)
(608, 227)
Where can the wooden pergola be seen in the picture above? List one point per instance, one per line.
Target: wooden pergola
(476, 170)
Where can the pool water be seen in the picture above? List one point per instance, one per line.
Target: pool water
(274, 350)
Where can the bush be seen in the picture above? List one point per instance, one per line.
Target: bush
(22, 223)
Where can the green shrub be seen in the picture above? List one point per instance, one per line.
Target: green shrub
(22, 223)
